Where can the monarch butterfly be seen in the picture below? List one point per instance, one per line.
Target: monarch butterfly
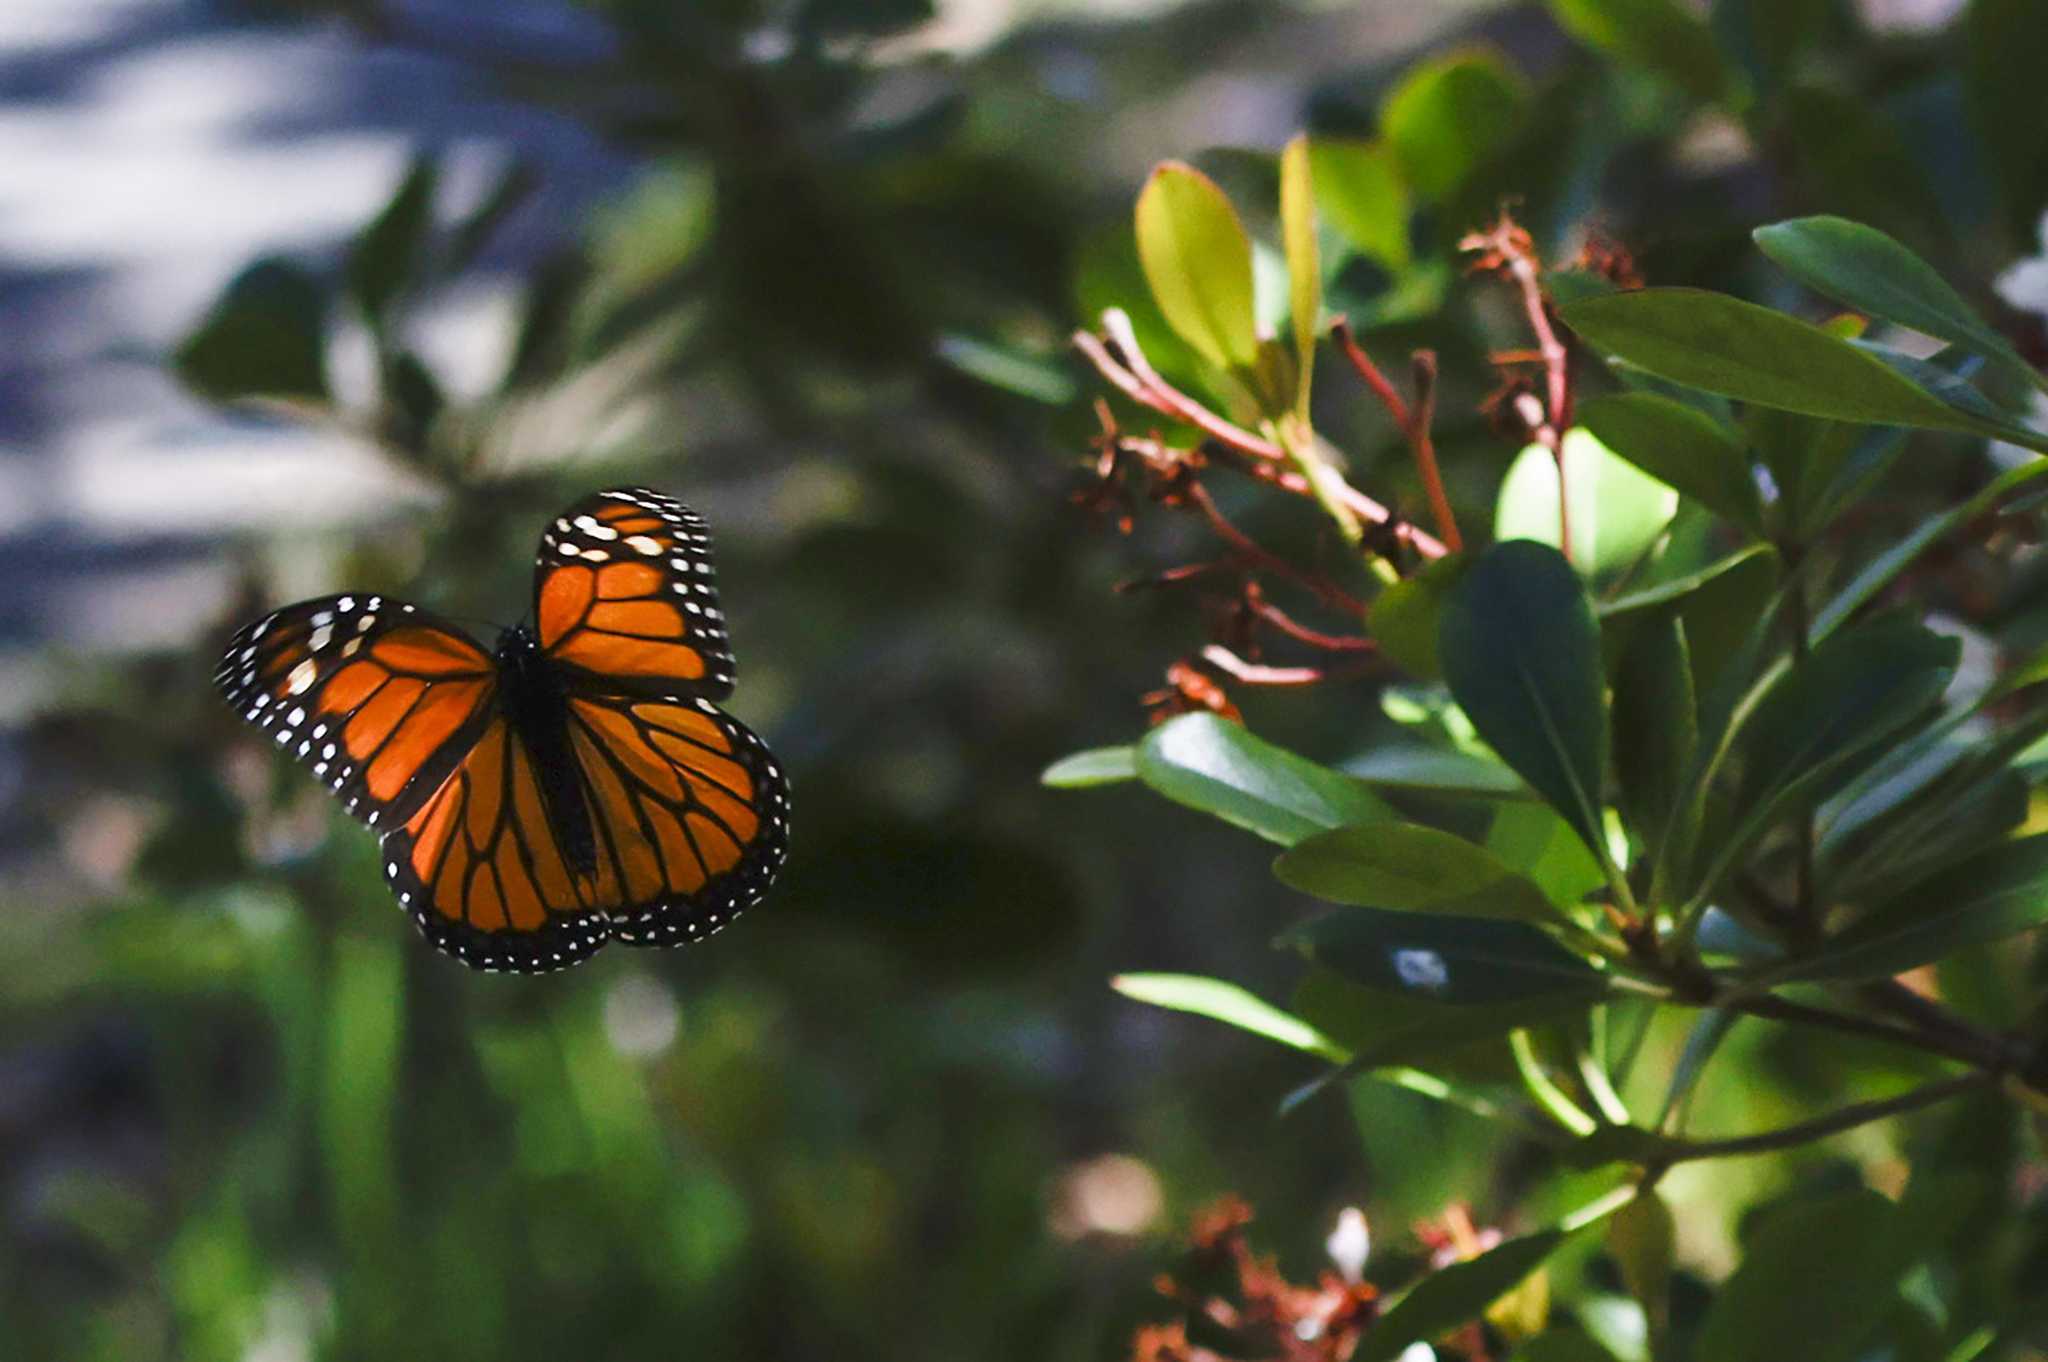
(576, 784)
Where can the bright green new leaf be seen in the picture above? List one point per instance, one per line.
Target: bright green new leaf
(1864, 268)
(265, 337)
(1995, 894)
(1459, 961)
(1227, 1003)
(1724, 345)
(1215, 765)
(1359, 188)
(1681, 446)
(1616, 510)
(1521, 653)
(1409, 866)
(1450, 116)
(1198, 262)
(1096, 766)
(1304, 270)
(1843, 1253)
(1453, 1295)
(1659, 35)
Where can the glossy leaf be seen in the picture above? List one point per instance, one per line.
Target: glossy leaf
(1658, 35)
(1617, 511)
(1304, 270)
(1724, 345)
(1452, 1295)
(1449, 117)
(1412, 867)
(1834, 706)
(1227, 1003)
(1359, 188)
(1864, 268)
(1843, 1253)
(1198, 262)
(1994, 894)
(264, 337)
(1096, 766)
(1680, 446)
(1679, 590)
(1435, 770)
(1521, 653)
(1441, 959)
(1215, 765)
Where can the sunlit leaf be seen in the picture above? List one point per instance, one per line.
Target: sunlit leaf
(1227, 1003)
(1215, 765)
(1434, 770)
(1359, 188)
(1096, 766)
(1198, 262)
(1405, 617)
(1616, 511)
(1304, 272)
(1409, 866)
(1680, 446)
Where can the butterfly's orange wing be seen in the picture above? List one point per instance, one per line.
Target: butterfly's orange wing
(691, 813)
(624, 596)
(379, 699)
(482, 872)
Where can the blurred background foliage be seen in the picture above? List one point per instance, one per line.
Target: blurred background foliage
(825, 299)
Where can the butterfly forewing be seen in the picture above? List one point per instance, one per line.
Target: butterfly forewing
(692, 812)
(380, 700)
(624, 595)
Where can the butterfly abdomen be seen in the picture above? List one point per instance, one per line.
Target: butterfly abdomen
(538, 709)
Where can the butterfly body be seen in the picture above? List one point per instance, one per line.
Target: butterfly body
(536, 705)
(573, 785)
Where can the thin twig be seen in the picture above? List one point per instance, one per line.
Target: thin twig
(1370, 372)
(1424, 448)
(1805, 1132)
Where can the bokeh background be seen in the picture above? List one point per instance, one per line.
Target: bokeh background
(809, 265)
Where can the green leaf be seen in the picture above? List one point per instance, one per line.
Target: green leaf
(1096, 766)
(1359, 188)
(1995, 894)
(1810, 1272)
(1435, 770)
(1453, 1295)
(1227, 1003)
(1867, 584)
(1858, 159)
(1724, 345)
(1405, 616)
(1656, 726)
(1521, 653)
(1198, 262)
(1659, 35)
(1616, 510)
(1014, 369)
(1863, 268)
(264, 337)
(1450, 116)
(1459, 961)
(1680, 590)
(388, 252)
(1532, 839)
(1412, 867)
(1216, 766)
(1304, 272)
(1382, 1028)
(1562, 1345)
(1680, 446)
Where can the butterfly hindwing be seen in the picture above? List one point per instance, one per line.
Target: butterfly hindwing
(624, 592)
(691, 812)
(481, 869)
(380, 700)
